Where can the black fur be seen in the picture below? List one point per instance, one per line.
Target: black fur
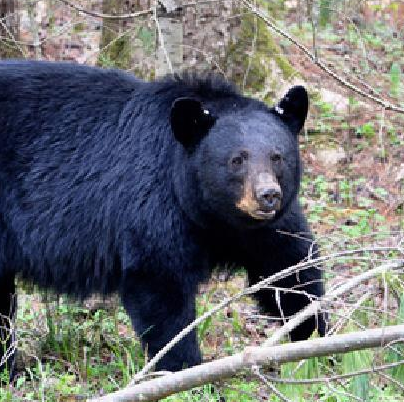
(97, 194)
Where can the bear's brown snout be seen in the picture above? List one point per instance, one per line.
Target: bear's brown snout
(268, 192)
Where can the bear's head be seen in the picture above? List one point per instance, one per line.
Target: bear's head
(240, 159)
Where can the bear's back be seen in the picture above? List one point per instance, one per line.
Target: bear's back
(40, 98)
(73, 164)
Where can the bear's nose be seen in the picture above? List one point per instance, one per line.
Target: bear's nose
(269, 198)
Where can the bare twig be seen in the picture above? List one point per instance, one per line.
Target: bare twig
(7, 332)
(348, 395)
(125, 16)
(256, 371)
(393, 380)
(348, 314)
(106, 16)
(11, 41)
(208, 57)
(315, 306)
(335, 377)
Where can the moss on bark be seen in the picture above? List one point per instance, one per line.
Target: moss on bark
(255, 60)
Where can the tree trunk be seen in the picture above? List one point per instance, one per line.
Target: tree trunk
(169, 53)
(9, 29)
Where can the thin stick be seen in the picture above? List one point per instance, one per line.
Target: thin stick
(334, 377)
(125, 16)
(314, 307)
(106, 16)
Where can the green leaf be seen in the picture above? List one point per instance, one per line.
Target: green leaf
(395, 77)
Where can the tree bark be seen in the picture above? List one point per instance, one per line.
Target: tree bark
(9, 29)
(169, 53)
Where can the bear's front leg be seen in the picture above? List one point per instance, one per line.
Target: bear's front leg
(160, 307)
(279, 252)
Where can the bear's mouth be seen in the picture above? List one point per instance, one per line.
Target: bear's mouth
(263, 215)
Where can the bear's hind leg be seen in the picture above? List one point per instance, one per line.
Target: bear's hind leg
(7, 314)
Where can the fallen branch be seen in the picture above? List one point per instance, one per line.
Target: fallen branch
(229, 366)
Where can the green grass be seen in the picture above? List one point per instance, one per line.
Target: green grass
(84, 351)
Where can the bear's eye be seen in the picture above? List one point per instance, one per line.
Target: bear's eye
(276, 158)
(237, 161)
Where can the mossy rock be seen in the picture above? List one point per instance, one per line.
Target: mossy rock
(117, 53)
(255, 62)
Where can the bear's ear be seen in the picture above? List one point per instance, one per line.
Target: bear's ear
(292, 108)
(190, 121)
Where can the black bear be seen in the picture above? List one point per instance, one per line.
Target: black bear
(109, 183)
